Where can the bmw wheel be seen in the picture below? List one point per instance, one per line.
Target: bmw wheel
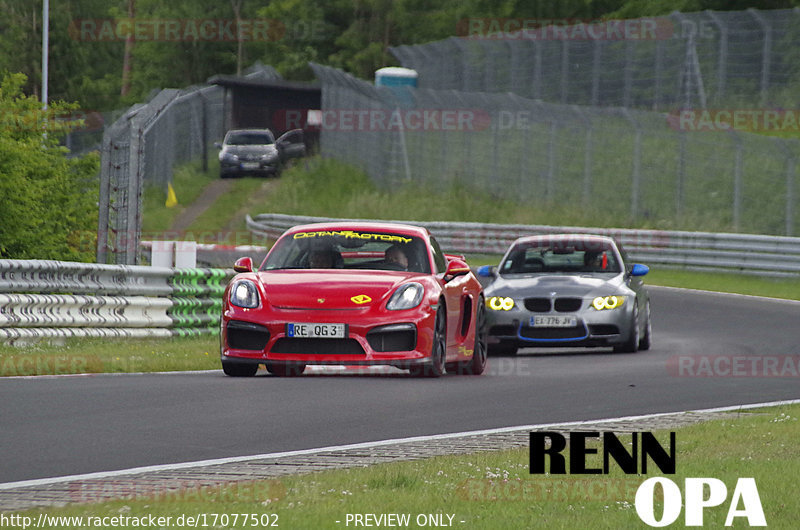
(632, 344)
(646, 339)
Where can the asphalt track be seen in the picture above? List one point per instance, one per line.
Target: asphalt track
(72, 425)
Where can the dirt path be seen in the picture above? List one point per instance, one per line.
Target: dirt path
(206, 199)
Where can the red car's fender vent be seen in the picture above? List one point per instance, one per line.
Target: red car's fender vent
(247, 336)
(305, 346)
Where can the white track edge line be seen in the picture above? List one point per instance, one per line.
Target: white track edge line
(362, 445)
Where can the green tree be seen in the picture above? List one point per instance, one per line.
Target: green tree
(47, 200)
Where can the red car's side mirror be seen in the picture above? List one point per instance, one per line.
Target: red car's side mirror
(243, 265)
(456, 267)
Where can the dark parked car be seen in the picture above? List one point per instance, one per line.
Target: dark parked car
(257, 152)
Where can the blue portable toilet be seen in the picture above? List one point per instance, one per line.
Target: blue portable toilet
(399, 80)
(396, 76)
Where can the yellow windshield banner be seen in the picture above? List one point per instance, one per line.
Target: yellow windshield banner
(349, 234)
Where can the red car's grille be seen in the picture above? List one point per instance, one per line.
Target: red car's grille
(318, 346)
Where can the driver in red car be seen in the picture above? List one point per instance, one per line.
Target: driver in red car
(394, 255)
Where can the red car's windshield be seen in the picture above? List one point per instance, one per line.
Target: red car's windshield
(348, 249)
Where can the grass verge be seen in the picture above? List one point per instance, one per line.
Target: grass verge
(81, 356)
(494, 489)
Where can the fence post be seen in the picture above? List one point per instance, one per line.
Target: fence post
(587, 155)
(636, 165)
(659, 66)
(537, 70)
(627, 75)
(564, 70)
(765, 52)
(597, 54)
(737, 180)
(681, 173)
(791, 165)
(722, 59)
(551, 161)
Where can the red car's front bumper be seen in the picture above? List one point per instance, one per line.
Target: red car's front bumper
(403, 341)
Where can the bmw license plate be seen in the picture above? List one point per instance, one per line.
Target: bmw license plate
(553, 321)
(316, 331)
(250, 165)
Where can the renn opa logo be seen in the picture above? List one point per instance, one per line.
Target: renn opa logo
(745, 501)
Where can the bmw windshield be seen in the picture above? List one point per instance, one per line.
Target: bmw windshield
(573, 257)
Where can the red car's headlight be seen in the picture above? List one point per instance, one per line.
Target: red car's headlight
(406, 296)
(244, 293)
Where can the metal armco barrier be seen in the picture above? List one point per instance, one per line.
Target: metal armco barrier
(56, 299)
(742, 253)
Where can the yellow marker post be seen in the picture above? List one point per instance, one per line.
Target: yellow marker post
(172, 200)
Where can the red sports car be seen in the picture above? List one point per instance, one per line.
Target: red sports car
(354, 293)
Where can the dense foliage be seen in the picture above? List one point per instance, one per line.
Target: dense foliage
(48, 202)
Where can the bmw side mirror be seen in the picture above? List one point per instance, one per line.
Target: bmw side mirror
(487, 271)
(639, 269)
(218, 145)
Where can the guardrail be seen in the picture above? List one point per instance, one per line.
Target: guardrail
(57, 299)
(776, 256)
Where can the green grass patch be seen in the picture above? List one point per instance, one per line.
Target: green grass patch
(86, 355)
(726, 282)
(494, 489)
(188, 181)
(228, 211)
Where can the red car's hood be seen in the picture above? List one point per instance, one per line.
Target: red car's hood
(314, 289)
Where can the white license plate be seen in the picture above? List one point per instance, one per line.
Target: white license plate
(250, 165)
(316, 331)
(553, 321)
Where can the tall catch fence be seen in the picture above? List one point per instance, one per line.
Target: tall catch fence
(141, 149)
(709, 58)
(616, 164)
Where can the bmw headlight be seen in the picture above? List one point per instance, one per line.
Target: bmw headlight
(244, 293)
(500, 303)
(406, 297)
(608, 302)
(229, 157)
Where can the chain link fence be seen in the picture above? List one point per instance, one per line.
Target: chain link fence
(619, 165)
(681, 60)
(141, 149)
